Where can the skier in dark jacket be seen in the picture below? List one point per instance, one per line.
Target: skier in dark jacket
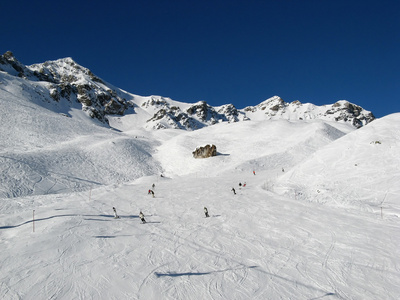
(141, 216)
(206, 212)
(233, 190)
(115, 213)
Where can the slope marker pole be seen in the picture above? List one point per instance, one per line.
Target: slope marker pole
(33, 220)
(382, 205)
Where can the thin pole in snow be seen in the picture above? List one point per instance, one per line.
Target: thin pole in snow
(33, 220)
(382, 204)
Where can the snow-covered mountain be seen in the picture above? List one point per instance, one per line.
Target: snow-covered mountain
(316, 214)
(64, 81)
(341, 111)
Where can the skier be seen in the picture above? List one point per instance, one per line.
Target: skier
(233, 190)
(141, 216)
(206, 212)
(254, 172)
(151, 192)
(244, 184)
(153, 186)
(115, 213)
(240, 184)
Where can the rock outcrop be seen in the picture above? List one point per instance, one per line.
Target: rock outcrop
(195, 116)
(205, 152)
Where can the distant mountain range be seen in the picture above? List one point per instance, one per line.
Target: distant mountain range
(68, 84)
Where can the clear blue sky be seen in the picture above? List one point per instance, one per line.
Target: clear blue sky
(230, 51)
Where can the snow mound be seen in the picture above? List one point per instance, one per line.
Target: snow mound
(360, 169)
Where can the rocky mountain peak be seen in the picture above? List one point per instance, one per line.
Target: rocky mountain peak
(10, 65)
(64, 70)
(341, 111)
(69, 82)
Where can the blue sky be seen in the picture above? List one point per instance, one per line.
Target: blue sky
(231, 51)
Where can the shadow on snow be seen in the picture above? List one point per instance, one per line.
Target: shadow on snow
(69, 215)
(173, 274)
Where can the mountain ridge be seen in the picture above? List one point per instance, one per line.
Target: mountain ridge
(66, 81)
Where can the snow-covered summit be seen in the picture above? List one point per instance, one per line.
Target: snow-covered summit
(66, 82)
(341, 111)
(64, 70)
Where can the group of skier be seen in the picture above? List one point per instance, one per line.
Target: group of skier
(141, 215)
(151, 191)
(240, 185)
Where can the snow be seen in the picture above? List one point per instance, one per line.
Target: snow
(324, 227)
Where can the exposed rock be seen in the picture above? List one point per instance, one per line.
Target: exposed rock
(230, 112)
(204, 152)
(10, 64)
(168, 116)
(196, 116)
(201, 109)
(155, 102)
(348, 112)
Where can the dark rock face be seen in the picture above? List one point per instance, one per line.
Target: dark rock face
(196, 116)
(207, 114)
(346, 111)
(205, 152)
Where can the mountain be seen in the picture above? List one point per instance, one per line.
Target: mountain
(315, 213)
(62, 96)
(341, 111)
(64, 81)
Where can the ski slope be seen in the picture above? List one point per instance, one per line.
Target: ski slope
(255, 245)
(318, 220)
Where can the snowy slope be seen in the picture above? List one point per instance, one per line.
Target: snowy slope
(257, 244)
(318, 220)
(360, 169)
(51, 149)
(247, 146)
